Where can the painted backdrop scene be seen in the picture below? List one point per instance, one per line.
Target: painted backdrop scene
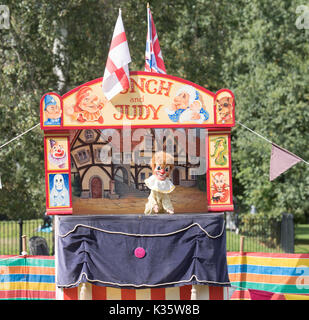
(110, 169)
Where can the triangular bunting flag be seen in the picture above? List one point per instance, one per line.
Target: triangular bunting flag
(280, 161)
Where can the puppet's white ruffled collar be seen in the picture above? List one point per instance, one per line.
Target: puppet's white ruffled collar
(165, 186)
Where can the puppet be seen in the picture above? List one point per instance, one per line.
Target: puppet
(57, 155)
(88, 107)
(160, 185)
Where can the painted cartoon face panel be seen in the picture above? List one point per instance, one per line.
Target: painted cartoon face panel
(87, 107)
(224, 107)
(188, 106)
(57, 150)
(220, 191)
(59, 190)
(51, 110)
(219, 153)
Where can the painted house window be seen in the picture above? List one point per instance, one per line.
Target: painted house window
(104, 155)
(83, 156)
(143, 176)
(89, 136)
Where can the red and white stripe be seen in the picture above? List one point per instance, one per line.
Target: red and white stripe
(116, 74)
(94, 292)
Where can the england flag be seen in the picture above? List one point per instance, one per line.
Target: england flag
(153, 56)
(116, 75)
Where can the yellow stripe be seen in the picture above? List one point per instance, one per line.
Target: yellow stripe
(40, 286)
(265, 261)
(143, 294)
(113, 293)
(172, 293)
(296, 297)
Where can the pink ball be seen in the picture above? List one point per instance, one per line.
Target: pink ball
(139, 252)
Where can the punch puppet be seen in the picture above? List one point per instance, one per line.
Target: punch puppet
(160, 185)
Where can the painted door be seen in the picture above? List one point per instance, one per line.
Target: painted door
(96, 187)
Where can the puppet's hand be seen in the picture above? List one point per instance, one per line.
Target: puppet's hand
(170, 211)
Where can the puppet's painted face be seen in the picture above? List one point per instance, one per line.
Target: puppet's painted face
(161, 171)
(90, 103)
(58, 182)
(181, 101)
(53, 111)
(57, 151)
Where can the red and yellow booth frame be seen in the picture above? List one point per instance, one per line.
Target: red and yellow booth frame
(148, 103)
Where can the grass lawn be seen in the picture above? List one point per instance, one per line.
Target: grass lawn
(301, 238)
(9, 235)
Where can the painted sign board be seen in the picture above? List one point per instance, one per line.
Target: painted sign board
(153, 100)
(78, 127)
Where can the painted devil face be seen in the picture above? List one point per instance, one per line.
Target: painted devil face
(90, 103)
(57, 151)
(219, 182)
(161, 171)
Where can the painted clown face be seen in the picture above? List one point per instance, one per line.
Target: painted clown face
(58, 182)
(90, 103)
(57, 151)
(53, 111)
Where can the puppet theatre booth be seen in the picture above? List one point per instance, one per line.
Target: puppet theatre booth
(138, 185)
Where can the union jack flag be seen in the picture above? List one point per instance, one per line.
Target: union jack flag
(153, 55)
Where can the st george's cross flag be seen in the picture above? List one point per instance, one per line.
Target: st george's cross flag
(116, 75)
(153, 55)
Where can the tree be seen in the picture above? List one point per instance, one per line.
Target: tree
(265, 66)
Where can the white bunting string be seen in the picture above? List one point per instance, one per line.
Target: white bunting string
(259, 135)
(20, 135)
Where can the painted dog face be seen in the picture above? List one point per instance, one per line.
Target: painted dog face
(225, 108)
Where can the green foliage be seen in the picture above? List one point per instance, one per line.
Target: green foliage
(250, 47)
(265, 66)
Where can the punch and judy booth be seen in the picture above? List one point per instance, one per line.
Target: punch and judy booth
(138, 186)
